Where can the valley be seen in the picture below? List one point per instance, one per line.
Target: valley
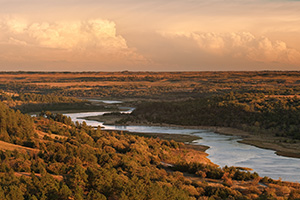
(168, 146)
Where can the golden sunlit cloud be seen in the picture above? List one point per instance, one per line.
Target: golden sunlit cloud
(90, 40)
(241, 45)
(150, 35)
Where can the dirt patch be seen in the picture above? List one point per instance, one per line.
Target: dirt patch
(28, 175)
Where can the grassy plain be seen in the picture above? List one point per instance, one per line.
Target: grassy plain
(156, 85)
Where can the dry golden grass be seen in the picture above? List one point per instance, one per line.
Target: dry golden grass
(283, 96)
(53, 136)
(12, 147)
(27, 174)
(286, 77)
(188, 155)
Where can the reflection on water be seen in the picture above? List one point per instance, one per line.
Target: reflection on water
(106, 101)
(224, 150)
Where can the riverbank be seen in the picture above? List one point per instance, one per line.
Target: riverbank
(282, 146)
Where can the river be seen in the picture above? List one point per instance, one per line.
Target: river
(224, 149)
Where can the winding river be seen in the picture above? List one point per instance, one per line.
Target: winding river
(224, 150)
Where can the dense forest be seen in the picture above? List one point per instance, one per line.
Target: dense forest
(15, 127)
(254, 112)
(74, 161)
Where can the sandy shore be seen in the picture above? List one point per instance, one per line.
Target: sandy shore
(282, 146)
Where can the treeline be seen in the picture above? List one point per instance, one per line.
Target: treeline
(32, 102)
(255, 112)
(37, 98)
(37, 107)
(49, 98)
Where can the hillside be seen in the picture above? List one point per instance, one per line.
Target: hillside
(71, 161)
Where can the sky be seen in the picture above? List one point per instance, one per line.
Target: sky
(140, 35)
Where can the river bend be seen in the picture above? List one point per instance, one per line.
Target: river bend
(224, 149)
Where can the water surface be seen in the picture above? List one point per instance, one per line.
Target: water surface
(105, 101)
